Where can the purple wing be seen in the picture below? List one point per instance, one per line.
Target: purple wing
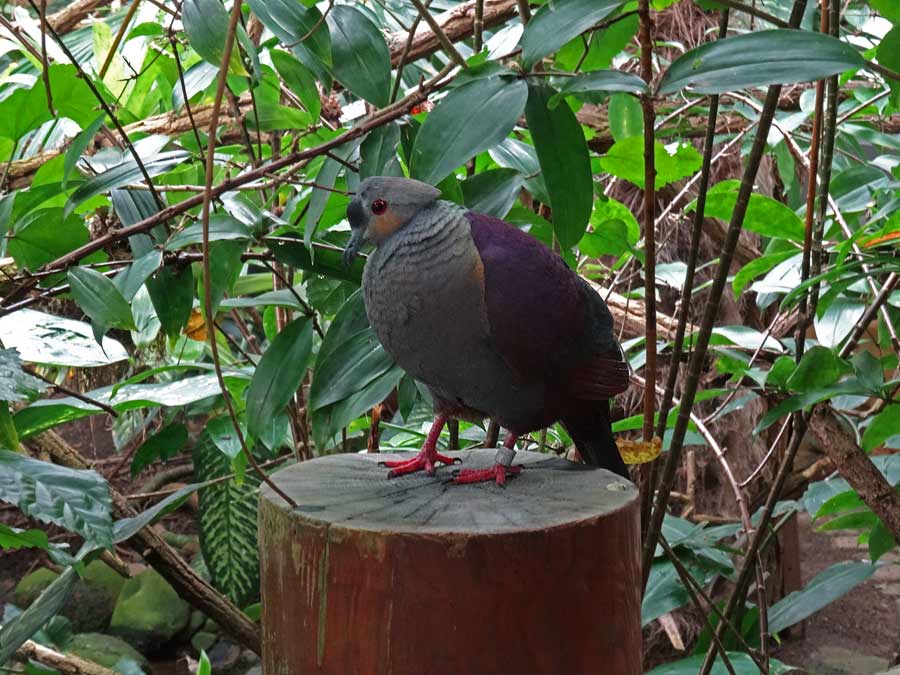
(544, 320)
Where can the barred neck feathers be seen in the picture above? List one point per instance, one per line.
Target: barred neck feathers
(439, 229)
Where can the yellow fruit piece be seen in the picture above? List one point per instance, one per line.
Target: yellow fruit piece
(639, 452)
(196, 327)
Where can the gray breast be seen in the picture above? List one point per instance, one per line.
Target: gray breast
(424, 299)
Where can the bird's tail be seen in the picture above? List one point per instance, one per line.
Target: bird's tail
(592, 434)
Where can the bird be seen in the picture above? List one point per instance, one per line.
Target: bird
(491, 320)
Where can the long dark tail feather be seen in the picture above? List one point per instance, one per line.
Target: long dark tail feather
(592, 434)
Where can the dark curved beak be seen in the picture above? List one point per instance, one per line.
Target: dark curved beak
(356, 216)
(357, 239)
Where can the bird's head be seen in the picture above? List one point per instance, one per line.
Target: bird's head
(383, 205)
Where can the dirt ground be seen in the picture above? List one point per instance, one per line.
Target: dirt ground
(859, 633)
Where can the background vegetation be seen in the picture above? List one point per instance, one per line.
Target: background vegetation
(173, 181)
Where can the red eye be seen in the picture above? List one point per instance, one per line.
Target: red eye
(379, 206)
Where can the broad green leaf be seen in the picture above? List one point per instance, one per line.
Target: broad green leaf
(171, 291)
(225, 270)
(673, 162)
(448, 138)
(820, 367)
(299, 80)
(349, 367)
(606, 81)
(15, 383)
(123, 174)
(565, 164)
(45, 235)
(868, 370)
(883, 426)
(838, 321)
(378, 153)
(303, 29)
(362, 62)
(75, 500)
(98, 296)
(55, 341)
(513, 154)
(757, 59)
(756, 267)
(228, 531)
(889, 56)
(206, 26)
(626, 118)
(780, 372)
(665, 592)
(887, 8)
(329, 420)
(79, 145)
(12, 538)
(290, 250)
(221, 432)
(128, 527)
(23, 110)
(221, 228)
(278, 374)
(741, 662)
(16, 631)
(880, 541)
(130, 280)
(204, 667)
(492, 192)
(825, 588)
(802, 401)
(764, 216)
(557, 22)
(162, 445)
(47, 413)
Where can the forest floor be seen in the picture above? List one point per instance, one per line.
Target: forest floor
(859, 633)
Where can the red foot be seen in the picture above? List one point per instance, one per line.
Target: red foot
(424, 461)
(497, 473)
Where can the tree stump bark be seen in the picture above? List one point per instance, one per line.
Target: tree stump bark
(414, 576)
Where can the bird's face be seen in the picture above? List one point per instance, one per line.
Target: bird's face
(383, 205)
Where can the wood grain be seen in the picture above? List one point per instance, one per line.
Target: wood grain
(413, 575)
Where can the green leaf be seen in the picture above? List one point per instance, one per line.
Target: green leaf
(565, 163)
(204, 667)
(665, 592)
(122, 174)
(825, 588)
(290, 250)
(448, 138)
(221, 432)
(12, 538)
(674, 161)
(599, 81)
(764, 216)
(513, 154)
(206, 26)
(225, 271)
(9, 437)
(626, 118)
(378, 153)
(15, 632)
(55, 341)
(757, 59)
(23, 110)
(222, 227)
(128, 527)
(883, 426)
(303, 28)
(362, 62)
(278, 374)
(492, 192)
(163, 445)
(15, 383)
(741, 662)
(820, 367)
(171, 291)
(780, 372)
(802, 401)
(299, 80)
(45, 235)
(758, 266)
(79, 145)
(555, 23)
(880, 541)
(100, 299)
(838, 320)
(130, 280)
(75, 500)
(228, 524)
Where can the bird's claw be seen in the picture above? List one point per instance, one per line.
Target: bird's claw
(425, 461)
(497, 473)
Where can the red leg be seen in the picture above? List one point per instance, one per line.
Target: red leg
(428, 456)
(497, 473)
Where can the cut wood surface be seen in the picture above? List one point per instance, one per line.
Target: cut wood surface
(414, 575)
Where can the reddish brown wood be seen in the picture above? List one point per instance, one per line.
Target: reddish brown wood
(416, 577)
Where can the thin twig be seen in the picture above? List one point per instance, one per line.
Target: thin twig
(441, 36)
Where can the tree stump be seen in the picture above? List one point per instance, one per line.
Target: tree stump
(414, 576)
